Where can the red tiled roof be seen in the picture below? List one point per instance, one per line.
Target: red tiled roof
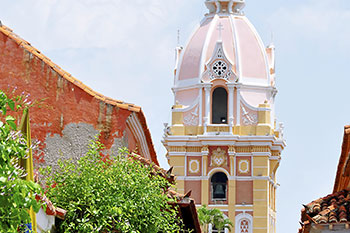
(342, 178)
(27, 46)
(159, 171)
(118, 103)
(329, 210)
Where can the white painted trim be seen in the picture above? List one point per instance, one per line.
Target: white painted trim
(184, 51)
(176, 89)
(206, 45)
(218, 206)
(200, 114)
(187, 108)
(237, 53)
(241, 205)
(245, 103)
(176, 153)
(238, 106)
(198, 154)
(185, 166)
(238, 178)
(263, 49)
(244, 154)
(261, 154)
(244, 216)
(218, 169)
(255, 81)
(247, 168)
(186, 83)
(135, 126)
(190, 166)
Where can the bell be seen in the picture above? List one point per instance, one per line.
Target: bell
(219, 191)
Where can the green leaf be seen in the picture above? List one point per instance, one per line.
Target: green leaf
(12, 124)
(119, 193)
(11, 104)
(10, 118)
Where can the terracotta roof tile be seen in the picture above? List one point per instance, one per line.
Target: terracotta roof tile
(331, 209)
(67, 76)
(342, 178)
(27, 46)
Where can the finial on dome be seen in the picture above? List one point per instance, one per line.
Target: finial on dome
(225, 6)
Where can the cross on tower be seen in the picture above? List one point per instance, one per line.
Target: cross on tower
(220, 29)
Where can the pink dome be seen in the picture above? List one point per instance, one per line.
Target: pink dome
(241, 44)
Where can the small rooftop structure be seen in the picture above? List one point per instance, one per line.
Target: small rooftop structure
(332, 212)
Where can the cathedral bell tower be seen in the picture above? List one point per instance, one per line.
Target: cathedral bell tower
(223, 141)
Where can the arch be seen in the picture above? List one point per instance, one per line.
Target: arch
(218, 169)
(218, 186)
(219, 108)
(244, 223)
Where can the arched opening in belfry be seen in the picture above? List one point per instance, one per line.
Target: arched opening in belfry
(219, 186)
(219, 106)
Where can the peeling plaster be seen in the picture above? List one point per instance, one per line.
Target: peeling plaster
(118, 143)
(73, 144)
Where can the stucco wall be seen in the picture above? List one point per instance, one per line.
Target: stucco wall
(68, 117)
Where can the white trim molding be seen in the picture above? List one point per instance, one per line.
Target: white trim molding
(244, 217)
(135, 127)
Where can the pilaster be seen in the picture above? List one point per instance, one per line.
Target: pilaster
(230, 87)
(205, 183)
(207, 89)
(238, 105)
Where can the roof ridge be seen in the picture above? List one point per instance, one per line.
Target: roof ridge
(27, 46)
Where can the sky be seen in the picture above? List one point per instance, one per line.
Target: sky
(125, 50)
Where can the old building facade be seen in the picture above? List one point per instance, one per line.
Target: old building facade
(68, 114)
(223, 141)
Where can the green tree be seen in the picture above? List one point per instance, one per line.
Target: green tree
(213, 216)
(117, 194)
(17, 195)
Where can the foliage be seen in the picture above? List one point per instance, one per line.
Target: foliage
(213, 216)
(17, 195)
(117, 194)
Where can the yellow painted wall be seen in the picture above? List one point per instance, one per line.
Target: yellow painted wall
(263, 190)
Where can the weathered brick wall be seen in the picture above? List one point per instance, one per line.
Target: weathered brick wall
(70, 116)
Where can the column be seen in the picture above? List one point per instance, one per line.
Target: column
(230, 87)
(238, 113)
(205, 182)
(207, 89)
(200, 113)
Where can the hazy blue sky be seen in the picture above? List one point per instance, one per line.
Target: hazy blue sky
(125, 50)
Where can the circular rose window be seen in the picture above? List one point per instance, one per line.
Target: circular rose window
(220, 68)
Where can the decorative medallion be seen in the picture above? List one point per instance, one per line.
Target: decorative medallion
(220, 68)
(243, 166)
(194, 166)
(218, 158)
(244, 226)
